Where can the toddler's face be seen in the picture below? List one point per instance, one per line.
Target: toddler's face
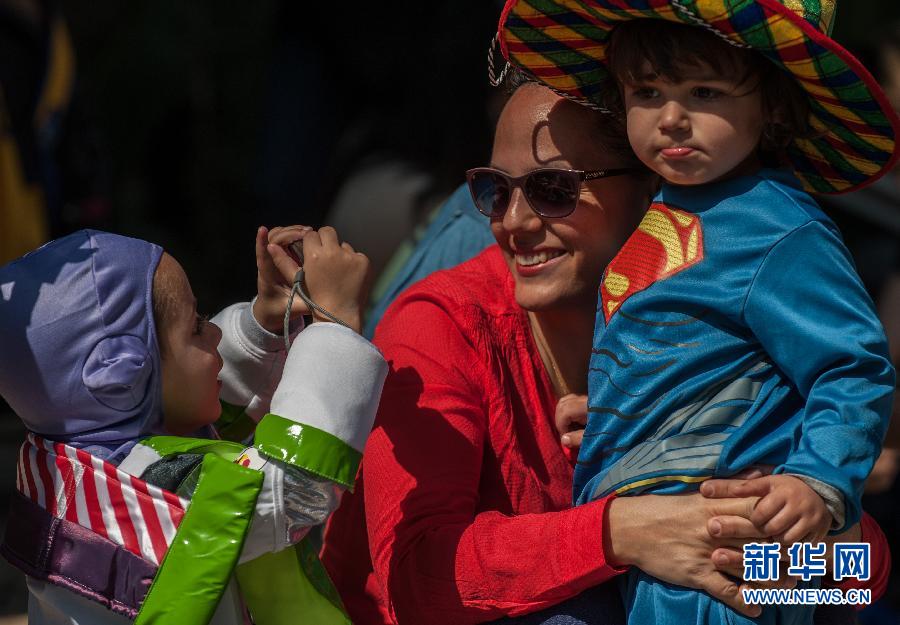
(188, 346)
(696, 131)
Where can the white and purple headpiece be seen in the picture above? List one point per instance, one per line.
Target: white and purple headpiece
(79, 359)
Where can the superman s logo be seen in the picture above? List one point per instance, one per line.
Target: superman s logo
(666, 242)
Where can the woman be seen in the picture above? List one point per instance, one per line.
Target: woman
(467, 487)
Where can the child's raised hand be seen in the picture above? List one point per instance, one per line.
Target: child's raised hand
(789, 511)
(571, 419)
(336, 275)
(273, 283)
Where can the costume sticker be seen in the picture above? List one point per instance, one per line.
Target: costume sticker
(251, 459)
(666, 242)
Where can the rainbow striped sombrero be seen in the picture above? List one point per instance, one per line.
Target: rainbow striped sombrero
(563, 43)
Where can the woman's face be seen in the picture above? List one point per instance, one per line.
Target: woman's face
(558, 263)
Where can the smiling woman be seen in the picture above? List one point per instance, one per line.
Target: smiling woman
(466, 484)
(556, 262)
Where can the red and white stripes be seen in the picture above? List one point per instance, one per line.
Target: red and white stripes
(73, 485)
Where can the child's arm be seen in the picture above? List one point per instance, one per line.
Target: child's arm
(813, 318)
(311, 442)
(252, 346)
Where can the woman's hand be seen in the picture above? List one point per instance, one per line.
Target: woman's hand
(273, 287)
(668, 537)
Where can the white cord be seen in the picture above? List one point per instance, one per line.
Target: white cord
(297, 289)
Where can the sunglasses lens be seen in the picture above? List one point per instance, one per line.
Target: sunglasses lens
(490, 192)
(553, 193)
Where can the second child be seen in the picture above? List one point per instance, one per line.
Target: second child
(119, 515)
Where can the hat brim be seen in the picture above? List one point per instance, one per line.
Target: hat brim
(563, 44)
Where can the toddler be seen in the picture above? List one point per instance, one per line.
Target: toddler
(732, 329)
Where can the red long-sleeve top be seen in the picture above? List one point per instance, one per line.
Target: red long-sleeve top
(465, 488)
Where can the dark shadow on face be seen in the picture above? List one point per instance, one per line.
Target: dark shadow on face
(543, 159)
(588, 139)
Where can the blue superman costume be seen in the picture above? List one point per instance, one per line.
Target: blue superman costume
(733, 330)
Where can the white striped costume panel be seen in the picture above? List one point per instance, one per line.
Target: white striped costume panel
(74, 485)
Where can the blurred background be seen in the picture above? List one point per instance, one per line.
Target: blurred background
(192, 123)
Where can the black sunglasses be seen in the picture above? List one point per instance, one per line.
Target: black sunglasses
(550, 192)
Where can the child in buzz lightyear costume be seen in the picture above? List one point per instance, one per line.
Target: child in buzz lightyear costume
(119, 381)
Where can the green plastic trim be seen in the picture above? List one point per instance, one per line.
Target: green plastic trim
(234, 424)
(290, 587)
(198, 565)
(169, 445)
(308, 556)
(308, 448)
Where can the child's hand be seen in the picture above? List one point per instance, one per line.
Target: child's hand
(273, 286)
(789, 511)
(571, 419)
(336, 275)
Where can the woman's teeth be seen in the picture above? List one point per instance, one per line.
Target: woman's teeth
(527, 260)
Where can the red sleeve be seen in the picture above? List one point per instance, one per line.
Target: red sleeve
(880, 560)
(437, 559)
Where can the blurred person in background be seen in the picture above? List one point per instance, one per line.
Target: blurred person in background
(50, 177)
(870, 222)
(406, 148)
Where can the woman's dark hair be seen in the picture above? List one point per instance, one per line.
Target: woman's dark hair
(514, 79)
(671, 50)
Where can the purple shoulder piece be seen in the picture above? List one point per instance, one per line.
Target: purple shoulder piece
(72, 557)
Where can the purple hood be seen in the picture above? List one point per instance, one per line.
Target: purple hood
(79, 360)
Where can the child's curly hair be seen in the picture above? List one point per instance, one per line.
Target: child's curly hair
(673, 49)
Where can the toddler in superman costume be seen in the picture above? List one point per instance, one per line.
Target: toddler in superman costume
(732, 329)
(130, 506)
